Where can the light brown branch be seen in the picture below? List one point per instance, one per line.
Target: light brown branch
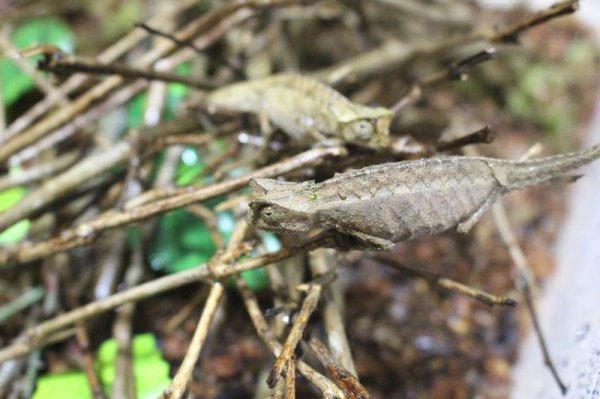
(322, 261)
(295, 335)
(290, 379)
(486, 135)
(88, 361)
(124, 383)
(201, 26)
(524, 283)
(327, 388)
(449, 284)
(34, 337)
(91, 166)
(179, 386)
(456, 71)
(394, 53)
(38, 172)
(87, 233)
(342, 377)
(110, 54)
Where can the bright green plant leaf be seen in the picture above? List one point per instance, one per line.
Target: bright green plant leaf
(176, 92)
(181, 241)
(135, 111)
(70, 385)
(190, 166)
(17, 231)
(257, 279)
(151, 371)
(46, 30)
(188, 261)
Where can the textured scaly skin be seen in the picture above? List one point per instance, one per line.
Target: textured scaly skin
(405, 200)
(299, 104)
(393, 202)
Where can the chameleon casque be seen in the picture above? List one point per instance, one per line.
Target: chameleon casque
(377, 206)
(304, 108)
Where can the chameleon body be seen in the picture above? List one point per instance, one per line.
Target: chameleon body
(377, 206)
(304, 107)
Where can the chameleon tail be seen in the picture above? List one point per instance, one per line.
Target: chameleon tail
(542, 170)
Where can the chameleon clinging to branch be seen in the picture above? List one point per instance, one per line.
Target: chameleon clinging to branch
(303, 107)
(375, 207)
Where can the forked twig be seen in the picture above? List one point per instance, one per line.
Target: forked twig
(328, 389)
(456, 71)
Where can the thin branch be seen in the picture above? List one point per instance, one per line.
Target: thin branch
(209, 218)
(26, 299)
(322, 262)
(40, 80)
(124, 383)
(456, 71)
(328, 389)
(512, 34)
(524, 282)
(88, 232)
(56, 61)
(190, 307)
(290, 379)
(34, 337)
(110, 54)
(93, 380)
(394, 53)
(485, 135)
(180, 383)
(86, 169)
(38, 172)
(239, 72)
(295, 335)
(342, 377)
(449, 284)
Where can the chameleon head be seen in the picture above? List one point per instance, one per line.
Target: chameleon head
(278, 206)
(273, 217)
(372, 131)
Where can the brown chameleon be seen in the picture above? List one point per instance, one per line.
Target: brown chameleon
(304, 108)
(377, 206)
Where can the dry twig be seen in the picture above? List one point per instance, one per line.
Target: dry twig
(86, 233)
(449, 284)
(524, 282)
(295, 335)
(342, 377)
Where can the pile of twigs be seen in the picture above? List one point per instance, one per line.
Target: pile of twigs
(89, 186)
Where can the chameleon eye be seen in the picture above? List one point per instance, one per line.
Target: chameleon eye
(364, 130)
(268, 213)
